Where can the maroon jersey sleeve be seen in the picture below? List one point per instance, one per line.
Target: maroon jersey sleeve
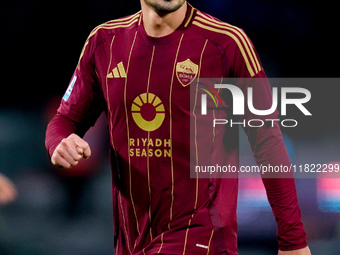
(269, 149)
(81, 104)
(83, 100)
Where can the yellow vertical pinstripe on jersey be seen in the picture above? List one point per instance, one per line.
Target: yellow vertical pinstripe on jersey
(196, 147)
(107, 93)
(170, 112)
(242, 41)
(211, 236)
(82, 52)
(118, 25)
(124, 222)
(117, 248)
(148, 158)
(160, 248)
(112, 142)
(214, 115)
(128, 136)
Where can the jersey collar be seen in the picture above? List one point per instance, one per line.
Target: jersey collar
(191, 11)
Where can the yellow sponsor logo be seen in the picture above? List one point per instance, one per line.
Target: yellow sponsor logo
(148, 111)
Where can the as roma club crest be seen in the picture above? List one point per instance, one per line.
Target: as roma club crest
(186, 72)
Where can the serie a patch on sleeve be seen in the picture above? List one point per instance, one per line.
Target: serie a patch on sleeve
(69, 89)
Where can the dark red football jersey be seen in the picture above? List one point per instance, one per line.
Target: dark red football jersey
(143, 85)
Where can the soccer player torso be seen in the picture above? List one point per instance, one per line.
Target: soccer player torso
(143, 84)
(146, 84)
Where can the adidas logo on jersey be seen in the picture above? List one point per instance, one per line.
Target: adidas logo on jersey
(117, 72)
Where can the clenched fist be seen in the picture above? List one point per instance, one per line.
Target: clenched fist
(70, 151)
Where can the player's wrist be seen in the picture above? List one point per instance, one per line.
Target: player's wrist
(301, 251)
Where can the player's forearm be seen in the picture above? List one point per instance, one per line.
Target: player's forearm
(269, 149)
(283, 200)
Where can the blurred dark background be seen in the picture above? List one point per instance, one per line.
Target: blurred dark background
(60, 213)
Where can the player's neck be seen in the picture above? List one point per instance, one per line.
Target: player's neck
(158, 24)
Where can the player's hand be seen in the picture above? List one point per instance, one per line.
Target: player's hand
(8, 192)
(70, 151)
(304, 251)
